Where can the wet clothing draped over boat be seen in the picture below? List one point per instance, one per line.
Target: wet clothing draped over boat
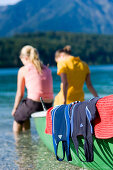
(48, 129)
(103, 124)
(82, 115)
(73, 120)
(61, 130)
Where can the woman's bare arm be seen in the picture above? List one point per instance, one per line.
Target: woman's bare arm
(20, 89)
(65, 86)
(90, 86)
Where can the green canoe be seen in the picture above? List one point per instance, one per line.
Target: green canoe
(103, 148)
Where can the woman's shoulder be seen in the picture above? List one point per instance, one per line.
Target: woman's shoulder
(22, 70)
(85, 66)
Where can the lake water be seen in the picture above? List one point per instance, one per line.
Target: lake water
(27, 151)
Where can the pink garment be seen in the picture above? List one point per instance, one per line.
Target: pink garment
(48, 129)
(39, 84)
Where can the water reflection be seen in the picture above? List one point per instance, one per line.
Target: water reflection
(33, 154)
(26, 149)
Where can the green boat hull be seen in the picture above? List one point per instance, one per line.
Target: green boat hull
(103, 149)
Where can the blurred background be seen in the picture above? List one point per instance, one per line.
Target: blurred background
(48, 25)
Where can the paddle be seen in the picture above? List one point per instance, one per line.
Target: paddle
(43, 105)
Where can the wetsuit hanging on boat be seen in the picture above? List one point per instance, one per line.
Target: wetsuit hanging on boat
(61, 130)
(81, 116)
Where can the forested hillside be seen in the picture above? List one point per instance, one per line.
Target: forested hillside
(92, 48)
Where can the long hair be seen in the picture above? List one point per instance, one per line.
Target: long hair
(33, 56)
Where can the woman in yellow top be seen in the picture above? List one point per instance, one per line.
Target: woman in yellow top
(73, 73)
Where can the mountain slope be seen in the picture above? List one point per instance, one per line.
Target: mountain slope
(91, 16)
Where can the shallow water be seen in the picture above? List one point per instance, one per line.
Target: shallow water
(27, 151)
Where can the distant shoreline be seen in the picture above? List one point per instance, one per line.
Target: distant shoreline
(54, 68)
(95, 49)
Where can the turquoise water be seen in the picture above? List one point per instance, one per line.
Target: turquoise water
(27, 151)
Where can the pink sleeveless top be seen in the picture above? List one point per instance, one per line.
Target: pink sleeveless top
(39, 84)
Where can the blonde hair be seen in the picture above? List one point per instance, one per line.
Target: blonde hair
(33, 56)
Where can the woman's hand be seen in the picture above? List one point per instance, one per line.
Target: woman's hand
(13, 111)
(90, 86)
(20, 89)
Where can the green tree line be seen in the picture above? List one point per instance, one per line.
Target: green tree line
(92, 48)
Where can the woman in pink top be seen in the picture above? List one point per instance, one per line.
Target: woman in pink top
(37, 78)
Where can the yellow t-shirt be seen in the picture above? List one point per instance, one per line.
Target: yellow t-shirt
(76, 71)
